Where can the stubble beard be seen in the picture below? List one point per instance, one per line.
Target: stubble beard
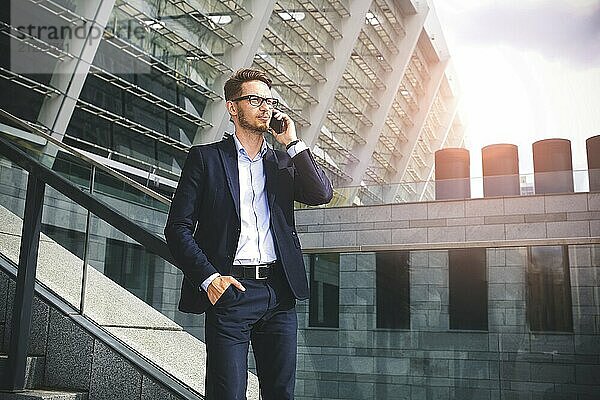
(249, 126)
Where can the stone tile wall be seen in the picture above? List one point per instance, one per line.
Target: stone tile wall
(430, 361)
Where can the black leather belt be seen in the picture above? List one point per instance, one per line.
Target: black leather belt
(260, 271)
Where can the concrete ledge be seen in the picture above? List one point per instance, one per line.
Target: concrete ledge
(43, 395)
(553, 217)
(62, 272)
(177, 352)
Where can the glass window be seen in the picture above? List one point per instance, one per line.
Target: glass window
(170, 158)
(158, 83)
(324, 290)
(89, 127)
(22, 102)
(102, 94)
(134, 144)
(393, 289)
(549, 289)
(74, 169)
(191, 101)
(70, 239)
(181, 129)
(467, 279)
(145, 113)
(130, 266)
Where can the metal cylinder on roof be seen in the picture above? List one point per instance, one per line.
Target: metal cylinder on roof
(452, 174)
(552, 166)
(593, 161)
(500, 164)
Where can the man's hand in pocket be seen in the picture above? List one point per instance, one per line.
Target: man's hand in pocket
(219, 285)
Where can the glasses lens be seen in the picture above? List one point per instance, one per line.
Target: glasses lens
(255, 101)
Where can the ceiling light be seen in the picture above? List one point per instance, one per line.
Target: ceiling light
(288, 16)
(220, 19)
(153, 24)
(372, 19)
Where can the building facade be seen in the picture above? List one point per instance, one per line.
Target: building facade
(133, 84)
(468, 299)
(366, 82)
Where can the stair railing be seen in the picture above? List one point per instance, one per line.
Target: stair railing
(40, 176)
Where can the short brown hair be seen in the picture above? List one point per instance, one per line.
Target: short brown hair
(233, 85)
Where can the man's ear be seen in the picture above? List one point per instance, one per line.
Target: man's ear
(231, 108)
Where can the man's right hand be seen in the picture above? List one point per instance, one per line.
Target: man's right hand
(219, 285)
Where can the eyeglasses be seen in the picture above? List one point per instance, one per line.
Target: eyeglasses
(256, 101)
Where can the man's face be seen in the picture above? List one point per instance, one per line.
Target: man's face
(254, 119)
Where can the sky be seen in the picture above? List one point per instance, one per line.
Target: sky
(527, 70)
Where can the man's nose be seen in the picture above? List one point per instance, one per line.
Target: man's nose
(264, 106)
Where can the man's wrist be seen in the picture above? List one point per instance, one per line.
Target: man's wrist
(290, 144)
(204, 286)
(296, 148)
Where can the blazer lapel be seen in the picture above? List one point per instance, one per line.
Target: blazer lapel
(228, 154)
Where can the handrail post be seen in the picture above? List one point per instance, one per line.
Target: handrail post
(25, 285)
(88, 225)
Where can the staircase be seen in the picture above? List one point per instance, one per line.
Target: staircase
(118, 347)
(34, 383)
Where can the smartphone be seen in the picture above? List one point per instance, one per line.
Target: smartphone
(278, 125)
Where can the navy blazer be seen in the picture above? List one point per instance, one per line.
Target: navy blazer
(203, 226)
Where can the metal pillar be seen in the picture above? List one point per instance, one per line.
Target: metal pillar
(21, 315)
(69, 75)
(431, 91)
(442, 134)
(325, 92)
(393, 79)
(251, 34)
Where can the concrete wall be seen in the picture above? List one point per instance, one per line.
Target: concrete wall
(431, 224)
(430, 361)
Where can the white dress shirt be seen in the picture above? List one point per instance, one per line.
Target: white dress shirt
(255, 245)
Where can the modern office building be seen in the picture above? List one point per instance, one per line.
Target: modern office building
(132, 84)
(367, 84)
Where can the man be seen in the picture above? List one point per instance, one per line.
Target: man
(231, 230)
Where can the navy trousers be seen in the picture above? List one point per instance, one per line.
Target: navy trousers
(264, 315)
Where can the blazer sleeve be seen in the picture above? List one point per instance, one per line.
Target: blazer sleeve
(182, 220)
(311, 185)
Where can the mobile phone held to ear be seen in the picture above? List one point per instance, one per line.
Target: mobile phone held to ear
(278, 125)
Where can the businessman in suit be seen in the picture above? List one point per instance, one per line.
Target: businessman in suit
(231, 230)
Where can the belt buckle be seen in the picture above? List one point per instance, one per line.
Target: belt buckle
(257, 271)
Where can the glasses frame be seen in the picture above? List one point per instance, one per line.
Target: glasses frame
(250, 97)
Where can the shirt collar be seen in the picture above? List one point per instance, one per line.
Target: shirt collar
(242, 151)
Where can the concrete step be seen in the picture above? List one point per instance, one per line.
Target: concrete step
(43, 395)
(34, 370)
(34, 381)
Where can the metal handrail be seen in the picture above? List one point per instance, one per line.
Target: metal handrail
(104, 211)
(27, 126)
(40, 176)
